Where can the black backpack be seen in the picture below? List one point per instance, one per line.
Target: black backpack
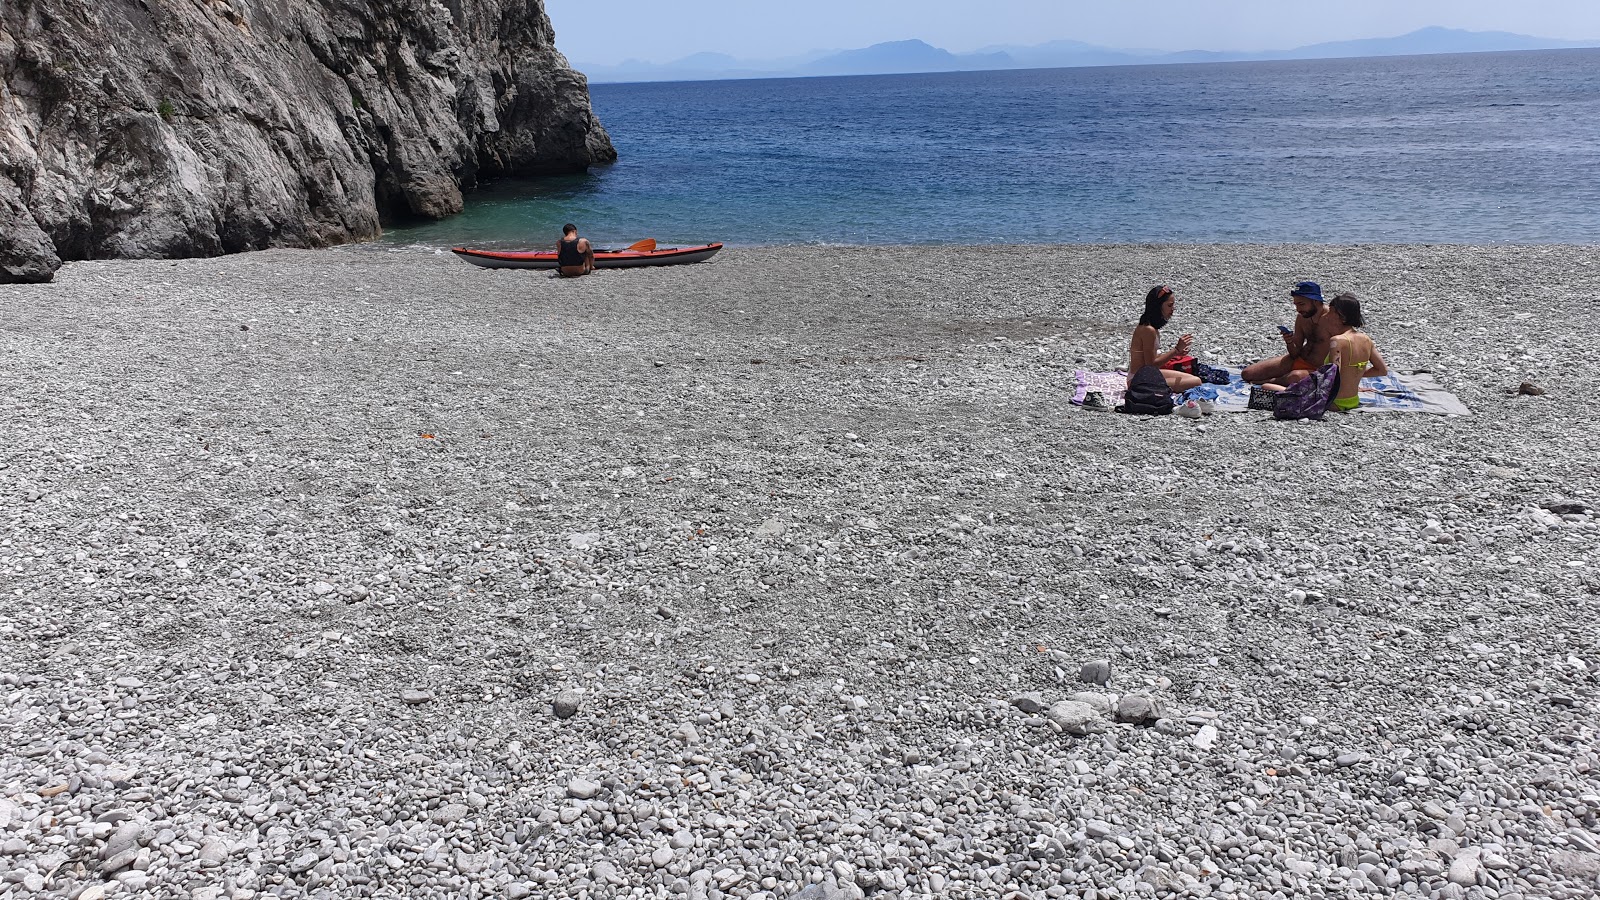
(1147, 394)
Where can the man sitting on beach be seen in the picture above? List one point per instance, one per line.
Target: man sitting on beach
(1308, 341)
(574, 255)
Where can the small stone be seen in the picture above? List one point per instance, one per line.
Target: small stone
(681, 840)
(322, 588)
(213, 853)
(450, 813)
(1096, 672)
(1030, 703)
(687, 734)
(1464, 869)
(1576, 865)
(126, 838)
(583, 540)
(1073, 717)
(582, 789)
(1566, 507)
(1496, 861)
(1346, 760)
(662, 857)
(303, 862)
(416, 696)
(1529, 389)
(1206, 737)
(1137, 710)
(468, 863)
(566, 704)
(1102, 703)
(118, 861)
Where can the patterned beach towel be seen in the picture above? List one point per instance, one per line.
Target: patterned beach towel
(1420, 393)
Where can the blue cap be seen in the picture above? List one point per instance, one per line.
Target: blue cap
(1309, 290)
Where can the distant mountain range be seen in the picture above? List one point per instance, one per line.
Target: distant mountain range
(900, 57)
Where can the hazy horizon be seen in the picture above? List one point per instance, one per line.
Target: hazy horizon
(632, 29)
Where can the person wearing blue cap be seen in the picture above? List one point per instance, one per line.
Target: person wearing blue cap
(1308, 341)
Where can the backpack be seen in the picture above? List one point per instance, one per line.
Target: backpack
(1147, 394)
(1309, 397)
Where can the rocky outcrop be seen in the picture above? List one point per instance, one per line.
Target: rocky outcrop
(171, 128)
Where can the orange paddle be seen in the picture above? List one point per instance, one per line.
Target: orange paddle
(644, 246)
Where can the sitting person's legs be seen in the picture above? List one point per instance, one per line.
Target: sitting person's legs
(1279, 368)
(1180, 381)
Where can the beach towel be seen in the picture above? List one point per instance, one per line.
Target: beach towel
(1419, 393)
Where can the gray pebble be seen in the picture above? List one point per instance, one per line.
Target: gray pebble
(566, 704)
(1073, 717)
(1132, 708)
(1030, 703)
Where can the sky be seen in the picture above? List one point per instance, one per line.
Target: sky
(655, 31)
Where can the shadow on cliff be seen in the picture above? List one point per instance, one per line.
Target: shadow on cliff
(174, 128)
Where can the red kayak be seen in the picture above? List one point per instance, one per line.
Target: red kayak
(603, 259)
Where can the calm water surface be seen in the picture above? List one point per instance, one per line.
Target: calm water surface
(1478, 148)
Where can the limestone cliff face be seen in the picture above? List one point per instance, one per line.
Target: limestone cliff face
(169, 128)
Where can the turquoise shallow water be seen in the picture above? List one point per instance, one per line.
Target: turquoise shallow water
(1479, 148)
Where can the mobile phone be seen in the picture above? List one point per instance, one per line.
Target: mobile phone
(1285, 330)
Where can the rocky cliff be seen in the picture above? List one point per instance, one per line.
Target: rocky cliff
(170, 128)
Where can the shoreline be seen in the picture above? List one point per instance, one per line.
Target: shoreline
(384, 243)
(305, 546)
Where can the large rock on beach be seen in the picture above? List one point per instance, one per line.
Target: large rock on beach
(27, 255)
(160, 128)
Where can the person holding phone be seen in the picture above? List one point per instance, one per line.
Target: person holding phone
(1307, 342)
(1145, 350)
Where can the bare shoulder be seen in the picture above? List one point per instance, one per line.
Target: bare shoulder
(1330, 324)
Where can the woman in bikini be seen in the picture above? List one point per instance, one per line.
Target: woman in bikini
(1143, 351)
(1353, 352)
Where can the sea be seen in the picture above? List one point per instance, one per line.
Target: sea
(1484, 148)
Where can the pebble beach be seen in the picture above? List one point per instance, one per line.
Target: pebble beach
(794, 574)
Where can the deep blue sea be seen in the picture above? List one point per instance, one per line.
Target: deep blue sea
(1471, 148)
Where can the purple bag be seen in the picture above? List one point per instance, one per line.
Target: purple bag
(1309, 397)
